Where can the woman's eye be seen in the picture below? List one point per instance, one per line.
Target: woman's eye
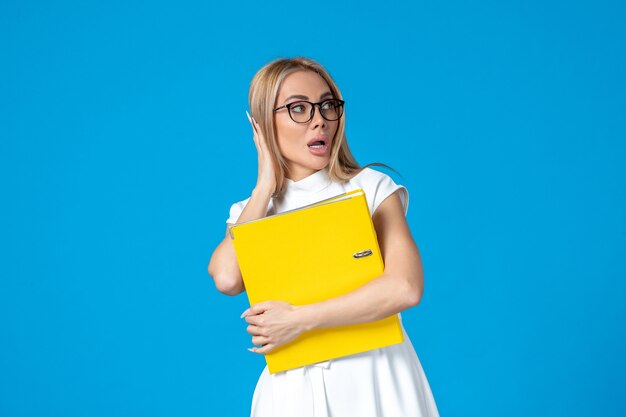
(328, 105)
(298, 108)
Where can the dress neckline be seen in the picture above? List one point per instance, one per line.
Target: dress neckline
(313, 183)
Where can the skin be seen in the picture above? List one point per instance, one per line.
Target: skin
(293, 137)
(275, 323)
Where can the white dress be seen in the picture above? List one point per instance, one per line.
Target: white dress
(385, 382)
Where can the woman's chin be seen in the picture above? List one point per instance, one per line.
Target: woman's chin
(319, 163)
(310, 164)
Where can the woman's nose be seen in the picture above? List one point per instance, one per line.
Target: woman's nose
(317, 119)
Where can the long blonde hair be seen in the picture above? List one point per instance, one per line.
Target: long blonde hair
(264, 89)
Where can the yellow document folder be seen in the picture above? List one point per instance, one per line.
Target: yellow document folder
(311, 254)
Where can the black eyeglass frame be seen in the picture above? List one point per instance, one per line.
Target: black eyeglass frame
(319, 104)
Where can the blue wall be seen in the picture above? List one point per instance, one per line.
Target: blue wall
(124, 141)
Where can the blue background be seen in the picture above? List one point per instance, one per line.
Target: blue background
(124, 141)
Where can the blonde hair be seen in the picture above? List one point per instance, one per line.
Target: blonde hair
(264, 89)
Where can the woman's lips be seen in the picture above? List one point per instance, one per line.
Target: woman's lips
(317, 149)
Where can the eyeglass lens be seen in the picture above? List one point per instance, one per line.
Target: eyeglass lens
(302, 111)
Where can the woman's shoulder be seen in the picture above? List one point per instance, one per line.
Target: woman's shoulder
(370, 175)
(235, 210)
(370, 178)
(378, 186)
(241, 203)
(237, 207)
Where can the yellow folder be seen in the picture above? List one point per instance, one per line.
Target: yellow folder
(311, 254)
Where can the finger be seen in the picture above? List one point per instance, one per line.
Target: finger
(256, 141)
(260, 340)
(257, 128)
(254, 320)
(255, 125)
(263, 143)
(265, 349)
(259, 308)
(254, 330)
(255, 349)
(254, 130)
(250, 120)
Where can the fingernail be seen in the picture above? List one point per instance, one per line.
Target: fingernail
(244, 313)
(251, 350)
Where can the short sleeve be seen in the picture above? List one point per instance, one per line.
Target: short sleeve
(235, 211)
(385, 186)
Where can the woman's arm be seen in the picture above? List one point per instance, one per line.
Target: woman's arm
(223, 266)
(399, 287)
(274, 323)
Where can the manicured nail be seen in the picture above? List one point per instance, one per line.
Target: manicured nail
(244, 313)
(251, 350)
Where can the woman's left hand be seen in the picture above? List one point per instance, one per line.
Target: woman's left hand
(272, 324)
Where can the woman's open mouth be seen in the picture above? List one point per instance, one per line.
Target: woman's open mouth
(318, 147)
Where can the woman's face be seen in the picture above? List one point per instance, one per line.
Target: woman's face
(294, 138)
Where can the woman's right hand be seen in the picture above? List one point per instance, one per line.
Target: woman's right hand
(266, 179)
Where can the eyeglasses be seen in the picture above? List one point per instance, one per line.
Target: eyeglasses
(302, 111)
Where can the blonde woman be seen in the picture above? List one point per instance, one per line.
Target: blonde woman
(298, 124)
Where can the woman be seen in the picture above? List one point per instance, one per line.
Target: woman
(303, 157)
